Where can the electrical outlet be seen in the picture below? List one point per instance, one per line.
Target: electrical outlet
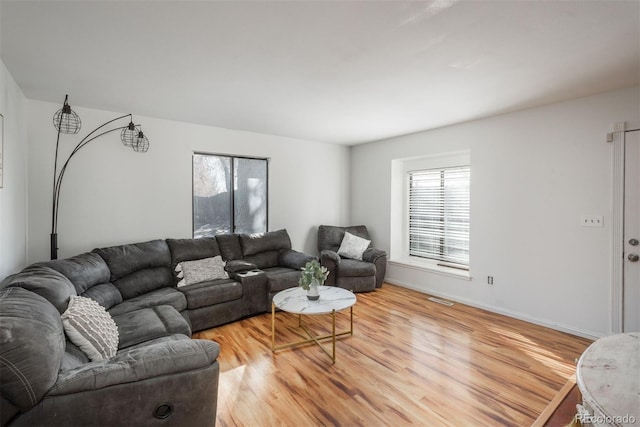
(490, 280)
(592, 221)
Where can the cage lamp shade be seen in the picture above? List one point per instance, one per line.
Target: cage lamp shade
(129, 135)
(141, 144)
(65, 120)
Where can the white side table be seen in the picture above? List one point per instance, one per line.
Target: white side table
(608, 376)
(294, 300)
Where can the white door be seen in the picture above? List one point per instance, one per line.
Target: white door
(631, 269)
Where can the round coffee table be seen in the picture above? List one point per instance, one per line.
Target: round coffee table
(294, 300)
(608, 379)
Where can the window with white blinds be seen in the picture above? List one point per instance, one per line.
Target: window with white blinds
(439, 213)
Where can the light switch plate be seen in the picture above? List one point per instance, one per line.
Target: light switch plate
(592, 221)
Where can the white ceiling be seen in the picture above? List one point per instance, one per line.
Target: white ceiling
(336, 71)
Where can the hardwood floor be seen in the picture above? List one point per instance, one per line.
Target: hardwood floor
(409, 362)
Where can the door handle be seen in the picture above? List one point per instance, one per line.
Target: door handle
(633, 257)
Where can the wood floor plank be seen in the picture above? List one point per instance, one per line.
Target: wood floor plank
(409, 362)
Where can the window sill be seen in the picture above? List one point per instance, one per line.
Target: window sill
(431, 267)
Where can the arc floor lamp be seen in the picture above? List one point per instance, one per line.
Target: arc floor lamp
(66, 121)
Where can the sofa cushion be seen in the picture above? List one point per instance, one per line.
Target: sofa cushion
(164, 296)
(201, 270)
(253, 244)
(211, 292)
(106, 294)
(294, 259)
(91, 328)
(147, 324)
(139, 268)
(215, 315)
(355, 268)
(73, 356)
(31, 346)
(267, 259)
(84, 270)
(126, 259)
(280, 278)
(46, 282)
(191, 249)
(264, 249)
(144, 281)
(168, 338)
(145, 362)
(229, 245)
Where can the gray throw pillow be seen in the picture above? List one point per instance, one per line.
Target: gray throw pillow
(353, 246)
(201, 270)
(91, 328)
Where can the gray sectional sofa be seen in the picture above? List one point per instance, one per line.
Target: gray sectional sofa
(159, 375)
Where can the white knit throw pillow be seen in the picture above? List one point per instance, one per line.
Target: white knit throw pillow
(201, 270)
(91, 328)
(353, 246)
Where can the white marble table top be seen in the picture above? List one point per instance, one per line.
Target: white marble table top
(294, 300)
(608, 375)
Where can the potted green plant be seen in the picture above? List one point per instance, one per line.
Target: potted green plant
(313, 275)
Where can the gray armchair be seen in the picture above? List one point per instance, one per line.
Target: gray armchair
(353, 274)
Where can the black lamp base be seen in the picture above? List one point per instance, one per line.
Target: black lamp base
(54, 245)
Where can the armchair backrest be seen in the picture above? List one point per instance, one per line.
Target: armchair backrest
(330, 236)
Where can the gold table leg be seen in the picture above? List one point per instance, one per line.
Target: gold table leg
(273, 327)
(312, 338)
(333, 332)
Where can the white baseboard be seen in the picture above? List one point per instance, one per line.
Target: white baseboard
(520, 316)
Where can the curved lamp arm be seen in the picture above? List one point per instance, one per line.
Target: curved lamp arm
(58, 176)
(58, 182)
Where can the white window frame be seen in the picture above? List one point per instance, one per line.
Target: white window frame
(399, 215)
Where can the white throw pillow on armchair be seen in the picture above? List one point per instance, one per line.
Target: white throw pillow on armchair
(353, 246)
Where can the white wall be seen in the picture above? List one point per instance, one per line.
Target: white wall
(112, 195)
(533, 173)
(13, 195)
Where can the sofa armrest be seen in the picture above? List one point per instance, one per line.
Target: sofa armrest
(239, 266)
(140, 363)
(372, 255)
(331, 260)
(379, 259)
(294, 259)
(254, 292)
(330, 256)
